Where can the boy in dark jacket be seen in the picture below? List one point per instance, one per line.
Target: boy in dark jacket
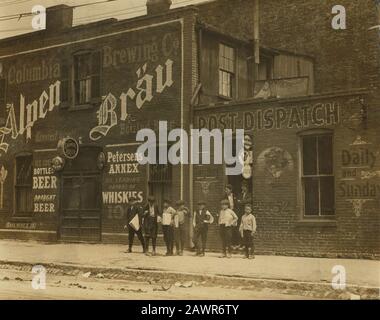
(201, 220)
(151, 218)
(134, 223)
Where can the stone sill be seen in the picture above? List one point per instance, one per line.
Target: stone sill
(316, 223)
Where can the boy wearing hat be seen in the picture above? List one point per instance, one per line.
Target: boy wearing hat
(229, 196)
(134, 223)
(227, 219)
(242, 200)
(167, 221)
(151, 218)
(247, 230)
(201, 219)
(179, 226)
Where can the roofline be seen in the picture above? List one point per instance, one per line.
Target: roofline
(273, 51)
(114, 22)
(261, 101)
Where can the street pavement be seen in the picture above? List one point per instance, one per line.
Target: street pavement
(270, 269)
(17, 285)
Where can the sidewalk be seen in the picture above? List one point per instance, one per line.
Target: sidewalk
(362, 273)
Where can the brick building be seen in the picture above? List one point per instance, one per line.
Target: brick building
(73, 98)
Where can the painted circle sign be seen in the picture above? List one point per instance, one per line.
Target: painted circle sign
(69, 148)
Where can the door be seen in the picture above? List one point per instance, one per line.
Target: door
(80, 219)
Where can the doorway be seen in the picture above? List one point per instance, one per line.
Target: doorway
(80, 219)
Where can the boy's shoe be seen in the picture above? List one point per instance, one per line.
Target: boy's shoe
(202, 254)
(229, 255)
(168, 254)
(180, 253)
(252, 256)
(129, 251)
(153, 252)
(245, 257)
(223, 255)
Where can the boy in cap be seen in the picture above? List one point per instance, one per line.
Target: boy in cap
(247, 230)
(151, 218)
(227, 219)
(167, 221)
(242, 200)
(202, 218)
(229, 196)
(134, 223)
(179, 226)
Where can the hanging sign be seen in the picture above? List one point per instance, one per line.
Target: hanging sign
(68, 147)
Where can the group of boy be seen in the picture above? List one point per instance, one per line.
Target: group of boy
(143, 222)
(234, 228)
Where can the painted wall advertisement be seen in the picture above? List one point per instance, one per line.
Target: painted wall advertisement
(359, 180)
(123, 178)
(45, 185)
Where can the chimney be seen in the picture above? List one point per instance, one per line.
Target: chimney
(59, 18)
(158, 6)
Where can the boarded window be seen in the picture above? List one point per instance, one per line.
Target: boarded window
(226, 70)
(317, 175)
(23, 187)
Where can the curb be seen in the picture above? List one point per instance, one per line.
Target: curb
(306, 289)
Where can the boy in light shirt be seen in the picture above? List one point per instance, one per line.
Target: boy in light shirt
(247, 230)
(227, 219)
(179, 226)
(167, 226)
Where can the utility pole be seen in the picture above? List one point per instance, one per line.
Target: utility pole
(256, 38)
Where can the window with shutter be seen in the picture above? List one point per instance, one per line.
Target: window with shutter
(65, 83)
(23, 186)
(95, 77)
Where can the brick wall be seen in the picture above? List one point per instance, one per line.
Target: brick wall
(277, 200)
(344, 59)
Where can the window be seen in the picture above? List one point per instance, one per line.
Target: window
(226, 70)
(3, 106)
(86, 77)
(23, 192)
(317, 175)
(160, 181)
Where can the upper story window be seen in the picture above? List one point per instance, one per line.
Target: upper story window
(226, 70)
(87, 68)
(2, 101)
(23, 186)
(318, 175)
